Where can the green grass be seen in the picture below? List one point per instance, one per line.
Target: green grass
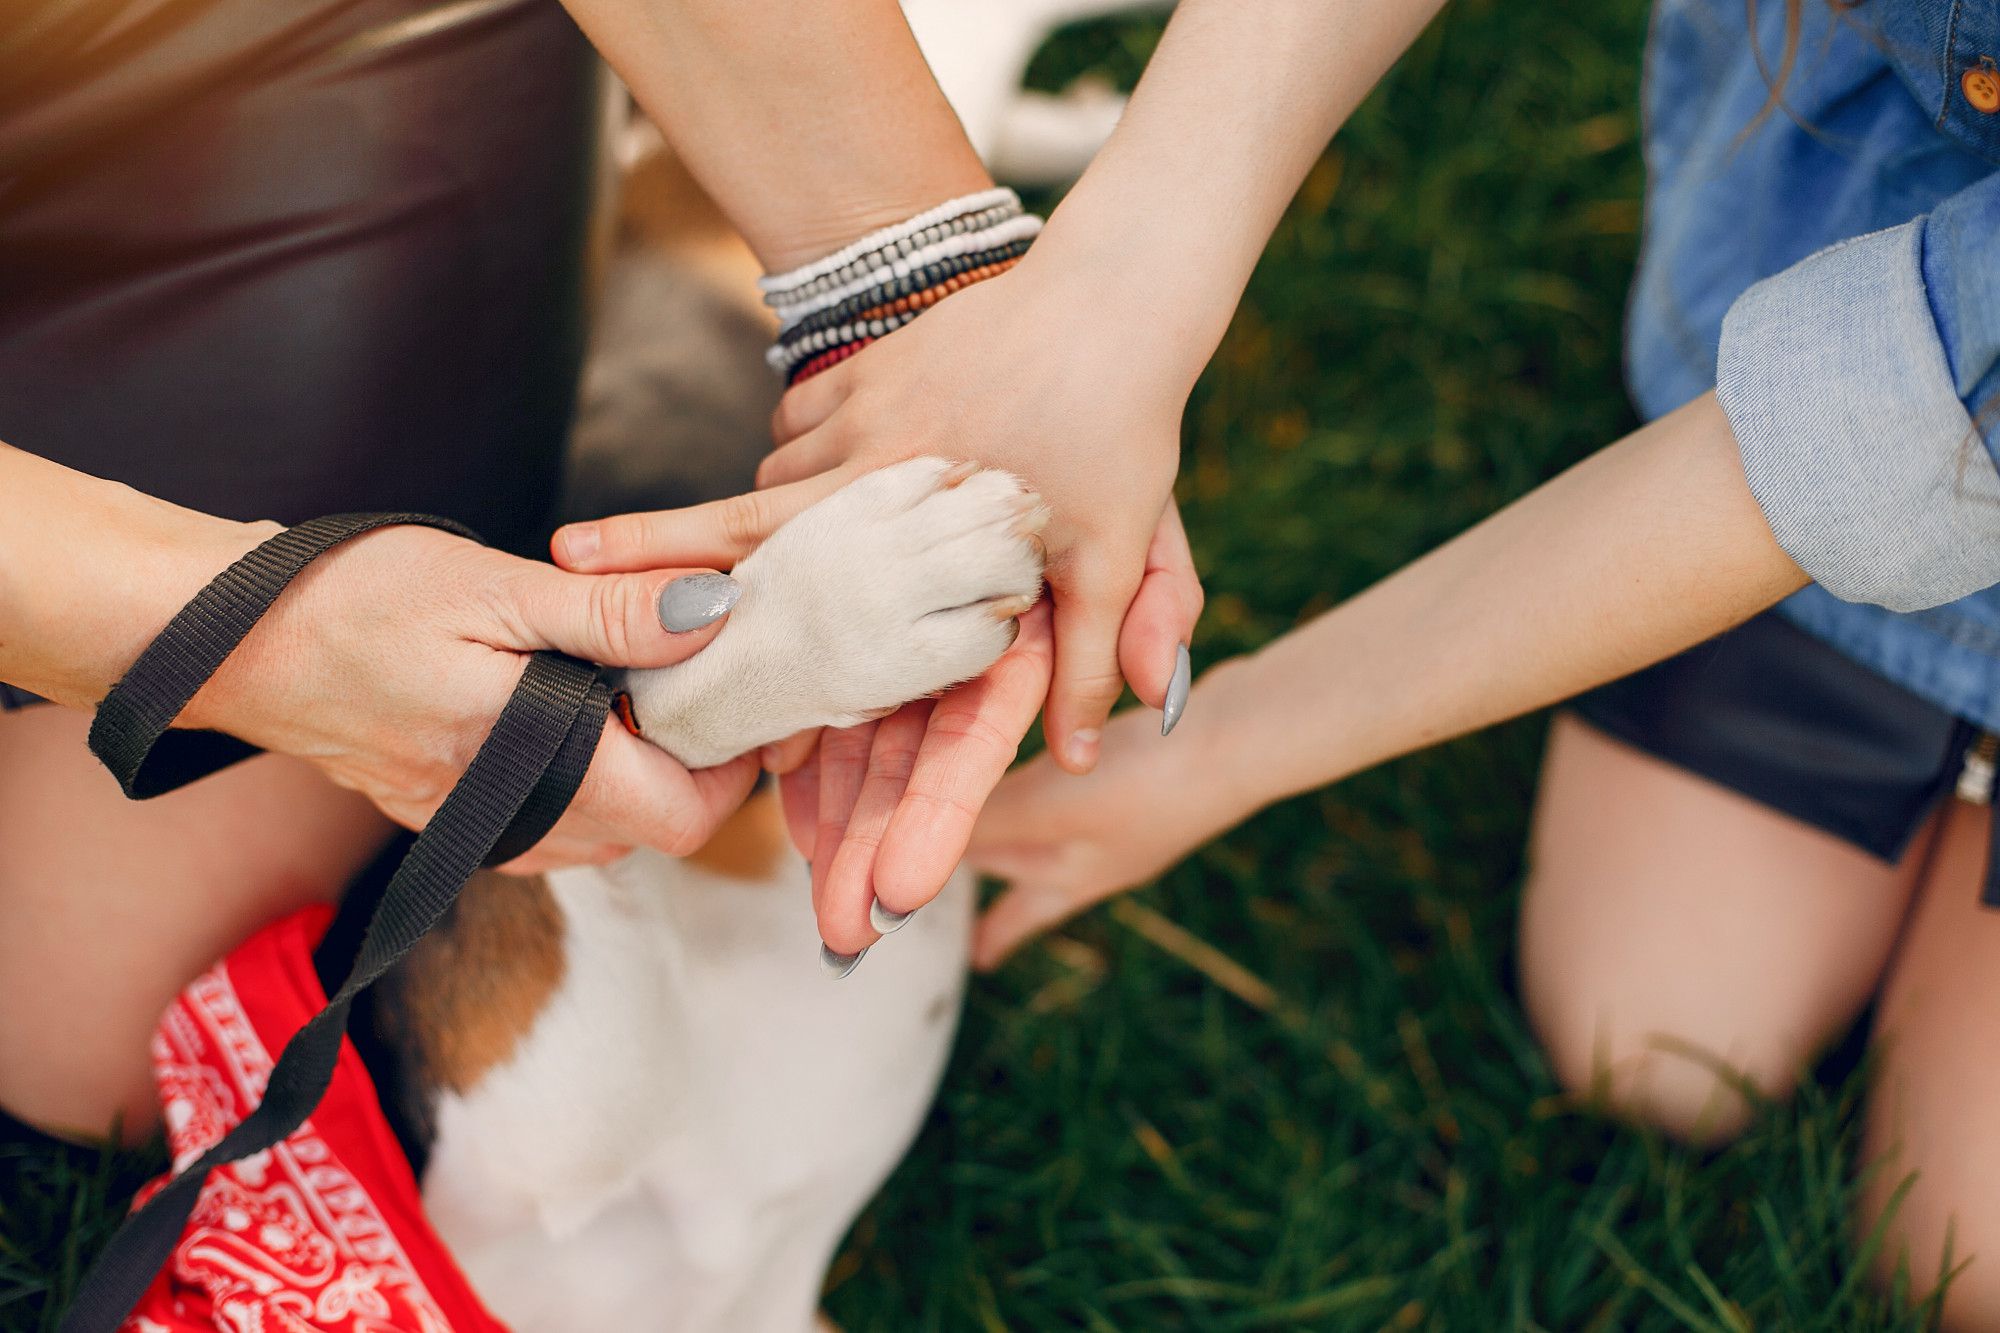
(1371, 1140)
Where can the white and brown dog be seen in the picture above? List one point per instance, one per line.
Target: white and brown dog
(640, 1101)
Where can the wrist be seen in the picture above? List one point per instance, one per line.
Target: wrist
(837, 305)
(839, 221)
(91, 570)
(1214, 748)
(1161, 328)
(166, 555)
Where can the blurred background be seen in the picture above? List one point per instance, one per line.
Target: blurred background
(1288, 1086)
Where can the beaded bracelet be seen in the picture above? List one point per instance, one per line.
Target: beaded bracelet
(899, 247)
(876, 240)
(897, 288)
(792, 354)
(830, 309)
(1020, 227)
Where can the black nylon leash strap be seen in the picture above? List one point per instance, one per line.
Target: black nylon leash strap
(524, 775)
(129, 732)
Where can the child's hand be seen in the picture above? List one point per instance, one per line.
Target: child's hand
(1064, 842)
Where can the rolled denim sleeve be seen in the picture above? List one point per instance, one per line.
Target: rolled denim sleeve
(1852, 381)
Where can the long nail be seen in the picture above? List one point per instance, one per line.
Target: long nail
(838, 965)
(1177, 689)
(695, 600)
(885, 921)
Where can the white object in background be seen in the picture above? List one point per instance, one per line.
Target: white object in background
(979, 50)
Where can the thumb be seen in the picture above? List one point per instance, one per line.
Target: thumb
(625, 620)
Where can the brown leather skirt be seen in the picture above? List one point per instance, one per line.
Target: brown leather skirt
(277, 258)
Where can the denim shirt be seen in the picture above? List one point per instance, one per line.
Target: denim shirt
(1832, 270)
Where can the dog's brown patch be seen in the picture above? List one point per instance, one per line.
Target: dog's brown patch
(470, 991)
(751, 844)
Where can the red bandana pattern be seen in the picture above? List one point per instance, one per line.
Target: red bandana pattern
(324, 1233)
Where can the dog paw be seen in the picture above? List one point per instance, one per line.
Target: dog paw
(902, 583)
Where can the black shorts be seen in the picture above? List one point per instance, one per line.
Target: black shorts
(1769, 711)
(278, 258)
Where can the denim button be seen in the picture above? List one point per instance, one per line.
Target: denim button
(1982, 86)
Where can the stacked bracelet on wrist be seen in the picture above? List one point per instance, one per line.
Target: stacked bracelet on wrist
(832, 308)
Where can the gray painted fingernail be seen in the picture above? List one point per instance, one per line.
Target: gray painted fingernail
(885, 921)
(696, 600)
(838, 965)
(1177, 689)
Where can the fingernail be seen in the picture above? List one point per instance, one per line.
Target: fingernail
(1082, 748)
(695, 600)
(580, 542)
(885, 921)
(1177, 689)
(768, 757)
(838, 965)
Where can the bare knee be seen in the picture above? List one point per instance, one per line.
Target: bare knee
(1934, 1231)
(1636, 1054)
(1684, 950)
(1932, 1183)
(1655, 1035)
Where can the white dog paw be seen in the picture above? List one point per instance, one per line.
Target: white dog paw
(898, 585)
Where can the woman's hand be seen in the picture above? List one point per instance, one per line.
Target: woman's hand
(387, 661)
(1022, 372)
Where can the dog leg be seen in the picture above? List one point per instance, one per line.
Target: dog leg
(898, 585)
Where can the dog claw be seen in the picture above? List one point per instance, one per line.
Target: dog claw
(957, 475)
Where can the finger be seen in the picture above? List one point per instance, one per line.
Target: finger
(617, 619)
(843, 907)
(720, 790)
(633, 793)
(807, 456)
(807, 404)
(1088, 616)
(719, 533)
(1024, 911)
(781, 757)
(798, 792)
(974, 733)
(843, 765)
(1160, 623)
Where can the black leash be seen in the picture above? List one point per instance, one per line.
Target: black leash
(525, 774)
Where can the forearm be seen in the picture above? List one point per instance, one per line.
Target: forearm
(1640, 551)
(90, 570)
(1235, 106)
(810, 124)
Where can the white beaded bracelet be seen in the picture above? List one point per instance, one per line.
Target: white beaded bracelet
(875, 240)
(1021, 228)
(905, 245)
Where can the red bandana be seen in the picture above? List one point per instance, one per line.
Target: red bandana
(325, 1233)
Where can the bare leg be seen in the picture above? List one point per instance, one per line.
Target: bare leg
(109, 907)
(1933, 1109)
(1665, 912)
